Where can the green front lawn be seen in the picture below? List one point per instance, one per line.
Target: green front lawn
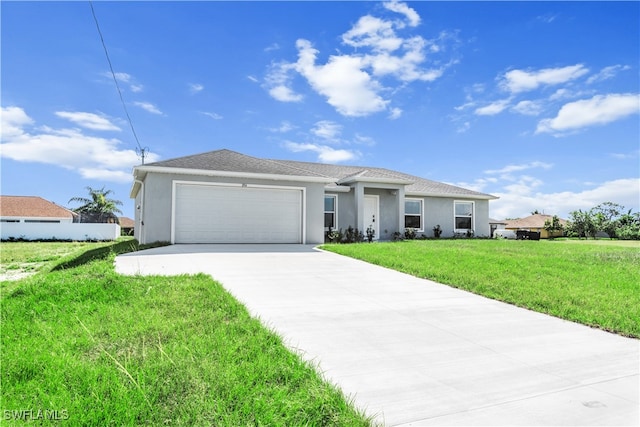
(104, 349)
(596, 283)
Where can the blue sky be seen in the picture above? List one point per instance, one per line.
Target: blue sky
(535, 102)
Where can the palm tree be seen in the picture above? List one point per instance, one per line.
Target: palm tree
(98, 208)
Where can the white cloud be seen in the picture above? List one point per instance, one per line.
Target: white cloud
(325, 153)
(599, 110)
(374, 33)
(353, 83)
(516, 81)
(547, 19)
(88, 120)
(105, 175)
(521, 193)
(278, 82)
(89, 156)
(147, 106)
(528, 108)
(494, 108)
(514, 202)
(607, 73)
(253, 79)
(272, 47)
(364, 140)
(284, 94)
(195, 88)
(327, 129)
(13, 121)
(520, 167)
(395, 113)
(342, 81)
(626, 156)
(214, 116)
(284, 127)
(464, 127)
(125, 78)
(411, 15)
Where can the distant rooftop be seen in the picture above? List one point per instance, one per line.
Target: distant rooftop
(31, 206)
(532, 221)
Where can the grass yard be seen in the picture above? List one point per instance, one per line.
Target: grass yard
(596, 283)
(20, 259)
(105, 349)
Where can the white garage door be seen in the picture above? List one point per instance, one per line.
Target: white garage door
(232, 214)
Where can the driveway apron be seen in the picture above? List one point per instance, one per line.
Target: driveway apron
(411, 351)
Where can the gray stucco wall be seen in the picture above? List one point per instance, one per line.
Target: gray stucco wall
(156, 206)
(440, 211)
(437, 211)
(155, 200)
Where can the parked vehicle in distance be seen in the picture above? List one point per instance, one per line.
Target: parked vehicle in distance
(504, 234)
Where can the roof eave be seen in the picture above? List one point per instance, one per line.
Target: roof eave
(140, 172)
(337, 188)
(354, 179)
(452, 195)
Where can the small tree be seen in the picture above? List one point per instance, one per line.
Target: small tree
(582, 224)
(553, 226)
(606, 217)
(98, 208)
(628, 226)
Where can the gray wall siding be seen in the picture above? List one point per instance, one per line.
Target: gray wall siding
(346, 210)
(157, 206)
(482, 219)
(155, 199)
(439, 211)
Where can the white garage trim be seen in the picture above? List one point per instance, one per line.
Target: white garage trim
(294, 198)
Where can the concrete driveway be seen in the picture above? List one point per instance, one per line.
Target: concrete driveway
(414, 352)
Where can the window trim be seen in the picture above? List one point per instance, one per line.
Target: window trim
(334, 212)
(415, 199)
(473, 216)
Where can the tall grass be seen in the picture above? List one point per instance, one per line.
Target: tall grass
(597, 285)
(114, 350)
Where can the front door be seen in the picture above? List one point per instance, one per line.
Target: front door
(371, 215)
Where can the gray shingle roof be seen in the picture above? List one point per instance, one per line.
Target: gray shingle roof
(418, 185)
(231, 161)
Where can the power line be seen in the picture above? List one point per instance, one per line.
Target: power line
(139, 150)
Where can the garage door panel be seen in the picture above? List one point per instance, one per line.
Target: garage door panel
(226, 214)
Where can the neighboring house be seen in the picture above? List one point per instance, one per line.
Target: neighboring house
(226, 197)
(32, 209)
(34, 218)
(535, 223)
(126, 225)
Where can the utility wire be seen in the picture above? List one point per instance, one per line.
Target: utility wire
(141, 151)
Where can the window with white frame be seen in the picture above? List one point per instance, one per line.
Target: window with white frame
(413, 214)
(463, 216)
(330, 209)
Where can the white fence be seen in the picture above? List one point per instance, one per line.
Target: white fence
(59, 231)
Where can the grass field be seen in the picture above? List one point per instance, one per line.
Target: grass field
(596, 283)
(87, 345)
(20, 259)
